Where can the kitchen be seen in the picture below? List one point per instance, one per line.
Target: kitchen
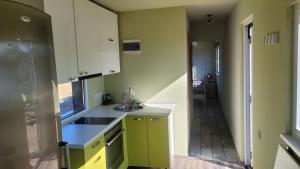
(107, 84)
(93, 56)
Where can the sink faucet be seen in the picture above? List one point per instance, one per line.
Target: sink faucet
(132, 101)
(128, 99)
(129, 94)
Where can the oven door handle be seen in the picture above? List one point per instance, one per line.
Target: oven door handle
(117, 136)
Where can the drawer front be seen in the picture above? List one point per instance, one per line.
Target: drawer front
(93, 148)
(98, 161)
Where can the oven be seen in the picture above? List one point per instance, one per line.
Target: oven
(114, 147)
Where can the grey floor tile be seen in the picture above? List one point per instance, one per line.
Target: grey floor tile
(231, 155)
(206, 153)
(210, 136)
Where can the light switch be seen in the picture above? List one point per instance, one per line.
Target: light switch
(272, 38)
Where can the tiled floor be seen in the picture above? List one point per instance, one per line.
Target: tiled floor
(211, 140)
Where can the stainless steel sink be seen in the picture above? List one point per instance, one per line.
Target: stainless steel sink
(128, 108)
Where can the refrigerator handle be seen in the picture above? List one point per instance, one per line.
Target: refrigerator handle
(64, 146)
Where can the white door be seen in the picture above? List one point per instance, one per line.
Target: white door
(110, 54)
(63, 28)
(88, 37)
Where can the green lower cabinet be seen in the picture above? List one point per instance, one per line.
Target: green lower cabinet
(158, 141)
(137, 142)
(91, 157)
(124, 165)
(148, 141)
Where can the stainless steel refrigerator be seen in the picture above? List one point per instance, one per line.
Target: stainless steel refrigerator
(28, 127)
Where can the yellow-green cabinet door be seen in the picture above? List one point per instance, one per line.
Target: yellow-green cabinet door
(137, 143)
(124, 165)
(98, 161)
(158, 141)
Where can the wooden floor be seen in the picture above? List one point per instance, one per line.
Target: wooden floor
(192, 163)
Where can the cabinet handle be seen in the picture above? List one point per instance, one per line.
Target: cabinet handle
(96, 144)
(97, 159)
(65, 147)
(112, 71)
(154, 118)
(110, 39)
(137, 119)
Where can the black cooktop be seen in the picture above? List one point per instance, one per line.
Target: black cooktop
(94, 120)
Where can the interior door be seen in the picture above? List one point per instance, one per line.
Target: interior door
(27, 117)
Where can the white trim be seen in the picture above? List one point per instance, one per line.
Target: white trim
(248, 20)
(86, 95)
(132, 41)
(295, 132)
(294, 3)
(291, 142)
(83, 112)
(247, 138)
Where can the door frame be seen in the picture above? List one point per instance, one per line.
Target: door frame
(248, 22)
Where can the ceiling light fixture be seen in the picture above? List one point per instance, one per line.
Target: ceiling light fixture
(209, 19)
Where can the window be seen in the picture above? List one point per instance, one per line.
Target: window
(218, 53)
(71, 98)
(296, 114)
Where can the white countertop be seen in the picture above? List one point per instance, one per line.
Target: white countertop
(81, 135)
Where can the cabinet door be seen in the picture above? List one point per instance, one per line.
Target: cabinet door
(63, 28)
(110, 58)
(124, 164)
(98, 161)
(137, 141)
(108, 26)
(158, 140)
(88, 37)
(109, 37)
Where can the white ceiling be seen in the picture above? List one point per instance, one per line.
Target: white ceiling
(196, 9)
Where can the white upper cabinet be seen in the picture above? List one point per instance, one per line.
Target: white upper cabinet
(108, 26)
(110, 59)
(85, 39)
(110, 55)
(62, 16)
(87, 25)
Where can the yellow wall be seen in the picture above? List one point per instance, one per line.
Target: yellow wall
(272, 86)
(160, 72)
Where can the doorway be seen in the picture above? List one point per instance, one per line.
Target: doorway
(210, 137)
(248, 92)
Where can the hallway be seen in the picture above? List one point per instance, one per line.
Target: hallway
(210, 137)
